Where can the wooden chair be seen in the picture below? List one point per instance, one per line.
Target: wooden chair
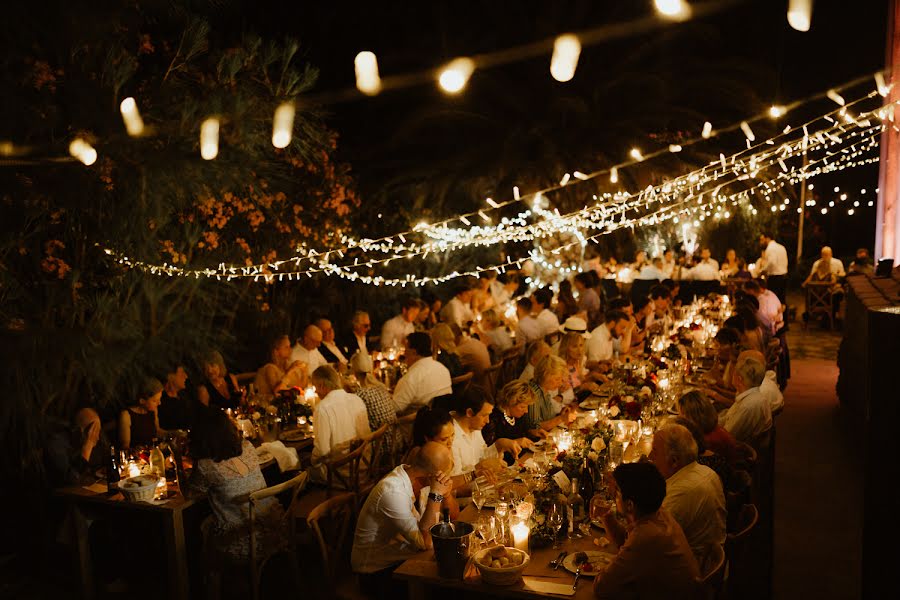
(819, 301)
(490, 378)
(373, 462)
(512, 359)
(342, 474)
(747, 457)
(737, 551)
(293, 486)
(461, 382)
(712, 579)
(331, 523)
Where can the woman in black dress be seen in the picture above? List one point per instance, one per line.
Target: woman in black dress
(221, 385)
(510, 418)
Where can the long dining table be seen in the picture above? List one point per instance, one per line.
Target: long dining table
(421, 572)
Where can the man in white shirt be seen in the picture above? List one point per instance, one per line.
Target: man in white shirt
(668, 264)
(774, 264)
(307, 349)
(528, 330)
(503, 288)
(390, 527)
(459, 310)
(394, 331)
(540, 304)
(706, 269)
(472, 413)
(425, 379)
(329, 349)
(339, 417)
(600, 346)
(751, 414)
(835, 264)
(694, 495)
(653, 271)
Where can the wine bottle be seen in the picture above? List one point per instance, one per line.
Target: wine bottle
(587, 483)
(112, 470)
(575, 508)
(158, 466)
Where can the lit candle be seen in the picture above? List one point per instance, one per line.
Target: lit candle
(520, 536)
(310, 393)
(133, 469)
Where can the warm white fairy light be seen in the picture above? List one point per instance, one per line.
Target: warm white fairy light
(799, 14)
(566, 49)
(707, 130)
(209, 138)
(675, 148)
(83, 151)
(283, 125)
(776, 111)
(745, 127)
(454, 77)
(673, 9)
(835, 97)
(614, 175)
(134, 124)
(368, 80)
(883, 88)
(636, 154)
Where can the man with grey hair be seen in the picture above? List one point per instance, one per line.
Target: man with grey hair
(339, 417)
(694, 495)
(751, 413)
(357, 339)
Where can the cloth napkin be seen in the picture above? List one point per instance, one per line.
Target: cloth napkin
(548, 587)
(286, 458)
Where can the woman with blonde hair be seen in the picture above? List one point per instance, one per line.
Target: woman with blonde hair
(280, 373)
(550, 376)
(510, 419)
(224, 391)
(445, 342)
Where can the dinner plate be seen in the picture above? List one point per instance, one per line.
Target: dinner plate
(592, 403)
(598, 560)
(295, 435)
(264, 456)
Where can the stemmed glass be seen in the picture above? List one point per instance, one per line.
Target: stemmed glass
(555, 522)
(479, 496)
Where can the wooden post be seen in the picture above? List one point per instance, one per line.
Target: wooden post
(803, 186)
(887, 224)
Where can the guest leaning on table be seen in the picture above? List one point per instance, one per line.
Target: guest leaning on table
(391, 528)
(654, 559)
(139, 423)
(550, 376)
(281, 372)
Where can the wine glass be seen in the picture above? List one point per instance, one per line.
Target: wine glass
(555, 522)
(479, 496)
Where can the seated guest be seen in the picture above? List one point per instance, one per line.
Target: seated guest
(652, 270)
(588, 299)
(394, 331)
(510, 418)
(482, 299)
(423, 320)
(661, 296)
(391, 527)
(694, 495)
(329, 349)
(549, 377)
(503, 288)
(705, 456)
(616, 325)
(540, 305)
(139, 423)
(445, 344)
(528, 330)
(425, 378)
(340, 417)
(743, 272)
(176, 410)
(668, 264)
(654, 560)
(377, 398)
(698, 409)
(434, 304)
(435, 425)
(747, 324)
(565, 301)
(69, 451)
(730, 266)
(494, 334)
(459, 309)
(357, 340)
(533, 354)
(862, 264)
(728, 346)
(751, 413)
(307, 349)
(224, 391)
(226, 470)
(643, 319)
(770, 308)
(706, 269)
(281, 373)
(571, 350)
(640, 261)
(470, 452)
(826, 268)
(473, 353)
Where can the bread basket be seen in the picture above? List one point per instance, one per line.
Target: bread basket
(141, 488)
(504, 575)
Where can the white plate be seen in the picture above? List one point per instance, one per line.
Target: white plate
(600, 560)
(264, 456)
(294, 435)
(592, 403)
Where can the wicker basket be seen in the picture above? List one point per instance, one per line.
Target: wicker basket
(502, 575)
(143, 492)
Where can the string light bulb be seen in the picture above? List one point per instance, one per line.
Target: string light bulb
(455, 75)
(83, 151)
(799, 15)
(566, 50)
(368, 80)
(707, 130)
(283, 125)
(673, 9)
(134, 124)
(209, 138)
(636, 154)
(614, 175)
(776, 111)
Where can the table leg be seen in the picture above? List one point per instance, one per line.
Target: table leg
(83, 545)
(416, 590)
(179, 582)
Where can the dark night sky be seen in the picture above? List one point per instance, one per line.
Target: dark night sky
(842, 44)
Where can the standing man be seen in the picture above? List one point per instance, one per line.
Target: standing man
(774, 265)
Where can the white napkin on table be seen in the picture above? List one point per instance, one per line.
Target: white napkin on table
(548, 587)
(286, 458)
